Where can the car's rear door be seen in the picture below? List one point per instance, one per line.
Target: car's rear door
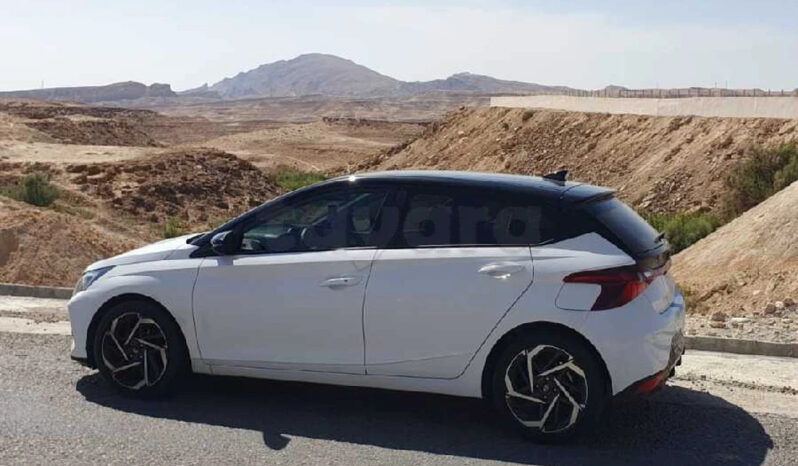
(458, 263)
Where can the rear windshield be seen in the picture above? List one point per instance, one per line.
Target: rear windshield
(624, 223)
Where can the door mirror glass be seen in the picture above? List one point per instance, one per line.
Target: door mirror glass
(224, 243)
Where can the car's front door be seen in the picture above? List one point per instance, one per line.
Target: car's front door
(460, 261)
(292, 297)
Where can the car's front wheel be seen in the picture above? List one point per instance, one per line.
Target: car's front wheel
(140, 350)
(549, 386)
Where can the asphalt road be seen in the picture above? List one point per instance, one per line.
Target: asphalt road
(720, 410)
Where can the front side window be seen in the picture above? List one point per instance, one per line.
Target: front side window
(334, 220)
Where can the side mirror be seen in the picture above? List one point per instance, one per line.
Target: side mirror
(224, 243)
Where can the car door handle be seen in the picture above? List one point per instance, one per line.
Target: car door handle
(501, 269)
(340, 282)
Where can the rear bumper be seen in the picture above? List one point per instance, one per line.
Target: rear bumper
(656, 381)
(638, 343)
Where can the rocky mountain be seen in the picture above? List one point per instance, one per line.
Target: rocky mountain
(308, 74)
(112, 92)
(317, 73)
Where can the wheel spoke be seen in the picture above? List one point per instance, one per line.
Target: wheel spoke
(125, 367)
(555, 369)
(530, 371)
(147, 343)
(511, 392)
(548, 411)
(568, 395)
(146, 371)
(118, 346)
(133, 332)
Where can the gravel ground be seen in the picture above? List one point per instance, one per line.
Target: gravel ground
(55, 411)
(779, 327)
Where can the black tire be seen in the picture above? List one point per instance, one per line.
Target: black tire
(563, 387)
(154, 349)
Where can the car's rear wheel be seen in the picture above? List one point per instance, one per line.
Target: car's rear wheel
(549, 386)
(140, 350)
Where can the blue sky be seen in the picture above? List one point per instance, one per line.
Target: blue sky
(579, 43)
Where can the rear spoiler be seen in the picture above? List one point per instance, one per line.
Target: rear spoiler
(586, 193)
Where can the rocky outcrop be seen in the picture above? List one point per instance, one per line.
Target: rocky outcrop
(113, 92)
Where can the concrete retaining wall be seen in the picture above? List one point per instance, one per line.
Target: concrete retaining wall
(741, 107)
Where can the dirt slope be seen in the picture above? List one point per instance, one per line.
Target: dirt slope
(196, 185)
(656, 163)
(43, 247)
(104, 209)
(748, 263)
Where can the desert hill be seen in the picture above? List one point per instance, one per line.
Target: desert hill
(656, 163)
(323, 74)
(307, 75)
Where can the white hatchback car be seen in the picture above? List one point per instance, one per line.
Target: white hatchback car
(544, 297)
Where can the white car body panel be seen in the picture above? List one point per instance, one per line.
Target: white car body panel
(284, 310)
(152, 252)
(168, 282)
(427, 310)
(315, 334)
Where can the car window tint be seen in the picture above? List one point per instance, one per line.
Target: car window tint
(326, 221)
(498, 219)
(428, 220)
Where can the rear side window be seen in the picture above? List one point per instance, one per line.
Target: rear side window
(634, 232)
(465, 217)
(498, 219)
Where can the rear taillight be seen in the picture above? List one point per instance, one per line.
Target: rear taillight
(619, 285)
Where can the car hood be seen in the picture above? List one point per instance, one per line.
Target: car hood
(152, 252)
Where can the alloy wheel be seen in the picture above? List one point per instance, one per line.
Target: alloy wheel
(134, 351)
(545, 389)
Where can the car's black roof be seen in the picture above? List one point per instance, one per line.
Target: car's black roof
(544, 188)
(568, 191)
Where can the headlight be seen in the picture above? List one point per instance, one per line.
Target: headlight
(90, 277)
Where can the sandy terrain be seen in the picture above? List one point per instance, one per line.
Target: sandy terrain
(123, 173)
(318, 146)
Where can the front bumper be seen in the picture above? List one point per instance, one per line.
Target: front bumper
(81, 309)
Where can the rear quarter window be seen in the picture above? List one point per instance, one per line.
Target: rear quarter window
(623, 222)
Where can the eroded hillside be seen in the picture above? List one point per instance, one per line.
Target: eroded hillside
(656, 163)
(748, 263)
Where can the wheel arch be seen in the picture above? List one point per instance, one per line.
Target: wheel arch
(525, 329)
(109, 304)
